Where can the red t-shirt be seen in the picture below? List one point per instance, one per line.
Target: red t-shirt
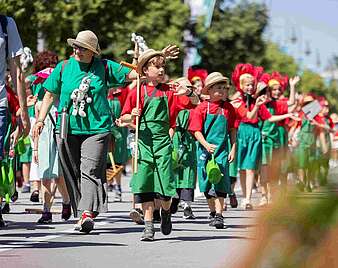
(175, 103)
(13, 104)
(241, 111)
(280, 107)
(120, 93)
(198, 115)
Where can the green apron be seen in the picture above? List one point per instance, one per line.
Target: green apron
(120, 134)
(249, 142)
(307, 142)
(270, 138)
(184, 145)
(217, 135)
(155, 174)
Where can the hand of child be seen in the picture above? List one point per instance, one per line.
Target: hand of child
(261, 100)
(31, 100)
(210, 147)
(135, 112)
(120, 123)
(232, 154)
(294, 80)
(171, 52)
(180, 90)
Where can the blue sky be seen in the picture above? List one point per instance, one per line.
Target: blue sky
(314, 21)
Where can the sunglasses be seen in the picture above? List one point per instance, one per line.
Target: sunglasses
(82, 49)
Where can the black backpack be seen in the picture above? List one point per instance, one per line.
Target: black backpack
(4, 23)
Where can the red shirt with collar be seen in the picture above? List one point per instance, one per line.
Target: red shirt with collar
(175, 103)
(198, 115)
(241, 111)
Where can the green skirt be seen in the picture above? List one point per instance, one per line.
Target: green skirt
(249, 140)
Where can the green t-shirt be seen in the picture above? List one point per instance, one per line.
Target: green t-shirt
(98, 119)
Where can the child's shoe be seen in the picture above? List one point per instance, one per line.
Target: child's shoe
(233, 200)
(219, 221)
(166, 224)
(46, 218)
(148, 232)
(187, 213)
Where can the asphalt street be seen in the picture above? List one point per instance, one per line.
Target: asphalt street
(116, 239)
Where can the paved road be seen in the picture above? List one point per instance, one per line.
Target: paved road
(115, 240)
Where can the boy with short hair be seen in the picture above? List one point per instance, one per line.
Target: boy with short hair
(211, 123)
(159, 106)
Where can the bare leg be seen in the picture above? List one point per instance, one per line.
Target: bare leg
(243, 182)
(165, 204)
(60, 182)
(219, 204)
(211, 204)
(46, 194)
(148, 208)
(250, 176)
(26, 167)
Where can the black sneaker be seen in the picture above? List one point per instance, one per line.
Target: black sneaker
(136, 215)
(46, 218)
(66, 212)
(166, 224)
(2, 222)
(15, 196)
(174, 205)
(212, 218)
(148, 232)
(35, 196)
(187, 213)
(219, 221)
(156, 216)
(5, 209)
(233, 200)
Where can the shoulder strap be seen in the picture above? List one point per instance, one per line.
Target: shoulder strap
(210, 125)
(4, 23)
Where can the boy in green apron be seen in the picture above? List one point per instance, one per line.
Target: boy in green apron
(159, 108)
(211, 122)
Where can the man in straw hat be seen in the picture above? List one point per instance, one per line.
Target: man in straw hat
(159, 106)
(84, 162)
(211, 122)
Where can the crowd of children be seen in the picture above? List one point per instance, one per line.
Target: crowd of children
(189, 131)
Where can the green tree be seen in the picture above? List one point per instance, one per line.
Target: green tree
(276, 60)
(160, 22)
(235, 36)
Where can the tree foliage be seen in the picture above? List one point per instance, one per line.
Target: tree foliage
(160, 22)
(235, 36)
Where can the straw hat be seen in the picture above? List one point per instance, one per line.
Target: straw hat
(86, 39)
(213, 79)
(183, 81)
(145, 57)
